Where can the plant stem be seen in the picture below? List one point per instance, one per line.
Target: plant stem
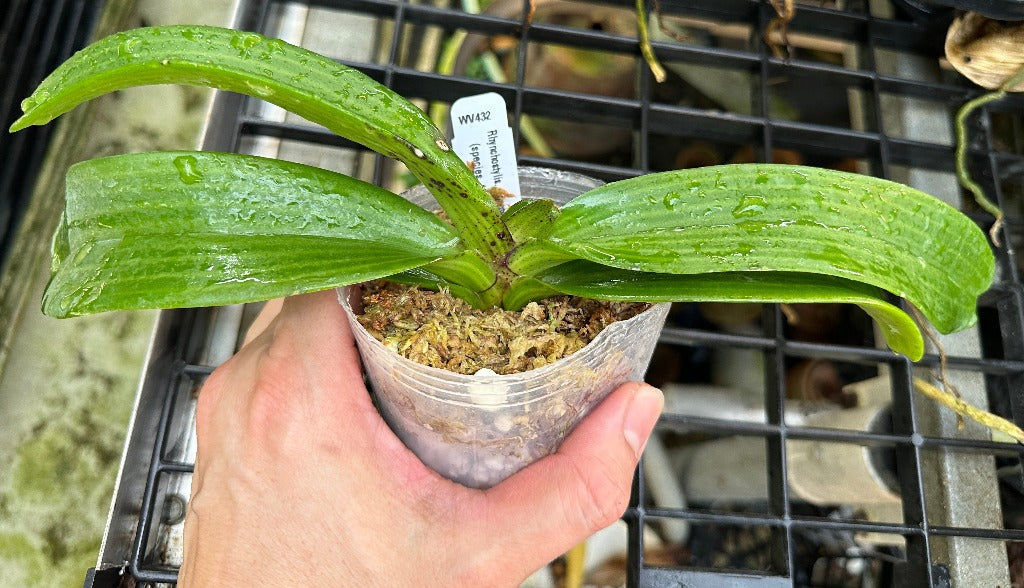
(785, 10)
(993, 422)
(962, 172)
(645, 43)
(574, 562)
(943, 376)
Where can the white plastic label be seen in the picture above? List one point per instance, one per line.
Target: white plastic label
(483, 139)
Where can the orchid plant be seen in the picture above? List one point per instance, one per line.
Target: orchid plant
(169, 229)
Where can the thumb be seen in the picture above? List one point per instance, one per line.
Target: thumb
(583, 487)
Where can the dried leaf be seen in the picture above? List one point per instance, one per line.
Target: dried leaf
(996, 423)
(987, 52)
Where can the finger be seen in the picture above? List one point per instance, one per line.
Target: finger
(344, 399)
(312, 337)
(584, 486)
(313, 327)
(302, 360)
(267, 314)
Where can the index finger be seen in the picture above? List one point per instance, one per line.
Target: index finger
(267, 314)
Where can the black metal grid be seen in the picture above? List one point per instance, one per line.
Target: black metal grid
(35, 37)
(653, 122)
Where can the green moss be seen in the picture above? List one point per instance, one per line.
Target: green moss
(55, 487)
(55, 497)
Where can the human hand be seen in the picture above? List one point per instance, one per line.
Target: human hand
(299, 481)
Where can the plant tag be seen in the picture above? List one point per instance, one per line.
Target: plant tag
(483, 139)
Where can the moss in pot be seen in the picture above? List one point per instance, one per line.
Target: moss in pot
(485, 417)
(170, 229)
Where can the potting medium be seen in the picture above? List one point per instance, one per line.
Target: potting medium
(479, 429)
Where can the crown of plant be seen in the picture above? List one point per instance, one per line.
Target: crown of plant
(169, 229)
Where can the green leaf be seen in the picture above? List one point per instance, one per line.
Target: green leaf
(165, 229)
(202, 191)
(525, 290)
(174, 270)
(313, 86)
(529, 217)
(468, 270)
(591, 280)
(763, 217)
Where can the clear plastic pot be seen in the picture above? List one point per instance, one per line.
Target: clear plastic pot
(479, 429)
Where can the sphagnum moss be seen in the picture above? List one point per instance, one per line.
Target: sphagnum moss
(439, 330)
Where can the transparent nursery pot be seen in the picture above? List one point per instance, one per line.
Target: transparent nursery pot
(480, 429)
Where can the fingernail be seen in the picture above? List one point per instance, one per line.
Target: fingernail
(641, 415)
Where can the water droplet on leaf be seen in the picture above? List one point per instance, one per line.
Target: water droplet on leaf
(672, 199)
(187, 169)
(245, 42)
(130, 48)
(750, 206)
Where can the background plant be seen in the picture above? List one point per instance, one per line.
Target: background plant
(194, 228)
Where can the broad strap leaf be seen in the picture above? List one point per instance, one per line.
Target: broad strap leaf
(313, 86)
(584, 278)
(779, 218)
(175, 270)
(164, 229)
